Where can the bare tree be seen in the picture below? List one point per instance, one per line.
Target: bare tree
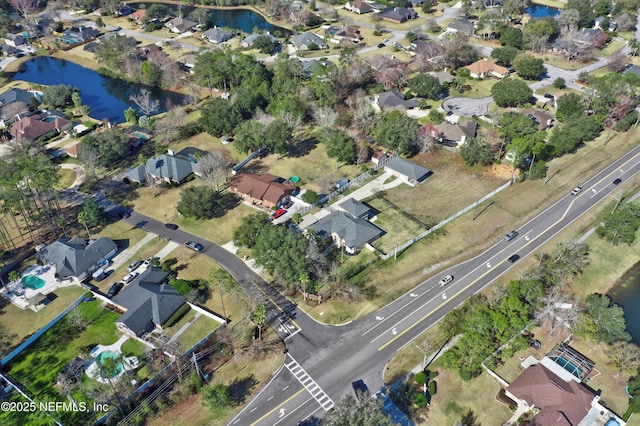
(213, 168)
(363, 113)
(77, 319)
(14, 108)
(325, 116)
(568, 20)
(363, 153)
(558, 311)
(167, 126)
(192, 92)
(427, 141)
(625, 357)
(24, 7)
(66, 385)
(617, 61)
(91, 161)
(290, 119)
(145, 102)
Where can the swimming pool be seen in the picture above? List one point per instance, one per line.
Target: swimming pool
(569, 366)
(103, 360)
(33, 282)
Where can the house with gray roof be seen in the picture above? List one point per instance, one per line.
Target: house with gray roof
(17, 95)
(149, 302)
(308, 41)
(180, 25)
(248, 42)
(216, 35)
(393, 100)
(166, 167)
(442, 76)
(75, 257)
(410, 172)
(355, 208)
(398, 14)
(456, 134)
(14, 40)
(346, 230)
(463, 26)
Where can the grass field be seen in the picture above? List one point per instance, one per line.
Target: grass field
(398, 227)
(560, 61)
(479, 89)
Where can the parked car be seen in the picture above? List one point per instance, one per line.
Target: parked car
(549, 96)
(278, 213)
(134, 265)
(576, 190)
(513, 258)
(511, 235)
(171, 226)
(446, 280)
(147, 262)
(617, 181)
(114, 289)
(381, 45)
(130, 277)
(194, 246)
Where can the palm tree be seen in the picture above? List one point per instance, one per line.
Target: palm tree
(259, 318)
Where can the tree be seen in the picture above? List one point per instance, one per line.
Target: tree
(310, 197)
(131, 115)
(476, 151)
(213, 168)
(340, 146)
(100, 23)
(249, 136)
(435, 116)
(585, 12)
(216, 396)
(397, 131)
(265, 44)
(504, 55)
(608, 318)
(570, 105)
(278, 136)
(58, 96)
(625, 357)
(259, 318)
(512, 37)
(529, 67)
(166, 127)
(558, 311)
(110, 146)
(511, 92)
(568, 20)
(515, 125)
(200, 202)
(559, 83)
(219, 117)
(575, 131)
(146, 104)
(621, 225)
(93, 214)
(200, 15)
(426, 86)
(150, 76)
(24, 7)
(358, 410)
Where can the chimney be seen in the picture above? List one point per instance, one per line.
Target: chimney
(170, 152)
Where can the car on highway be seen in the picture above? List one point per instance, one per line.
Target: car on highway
(194, 246)
(511, 235)
(513, 258)
(171, 226)
(576, 190)
(617, 181)
(114, 289)
(134, 265)
(446, 280)
(278, 213)
(130, 277)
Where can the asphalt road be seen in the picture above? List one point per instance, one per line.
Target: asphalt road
(314, 376)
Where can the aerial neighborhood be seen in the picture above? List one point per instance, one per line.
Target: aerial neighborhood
(405, 212)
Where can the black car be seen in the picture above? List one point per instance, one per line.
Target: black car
(548, 96)
(381, 45)
(171, 226)
(513, 258)
(617, 181)
(114, 289)
(194, 246)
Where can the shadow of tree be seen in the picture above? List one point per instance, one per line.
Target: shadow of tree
(302, 148)
(240, 389)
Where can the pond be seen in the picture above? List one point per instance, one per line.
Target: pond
(627, 295)
(540, 11)
(237, 19)
(107, 97)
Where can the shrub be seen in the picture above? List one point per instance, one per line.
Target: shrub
(420, 400)
(421, 378)
(465, 373)
(433, 388)
(310, 197)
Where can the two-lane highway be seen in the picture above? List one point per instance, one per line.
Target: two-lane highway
(360, 350)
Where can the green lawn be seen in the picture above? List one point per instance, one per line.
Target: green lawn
(67, 177)
(398, 227)
(479, 89)
(612, 47)
(197, 330)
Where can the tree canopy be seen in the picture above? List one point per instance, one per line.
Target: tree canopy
(219, 117)
(359, 410)
(621, 225)
(92, 213)
(340, 146)
(510, 92)
(200, 202)
(504, 55)
(397, 131)
(608, 319)
(58, 96)
(426, 86)
(570, 105)
(110, 146)
(476, 151)
(529, 67)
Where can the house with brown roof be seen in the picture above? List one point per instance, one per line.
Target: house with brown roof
(456, 134)
(358, 6)
(543, 119)
(31, 128)
(559, 402)
(484, 68)
(266, 189)
(139, 16)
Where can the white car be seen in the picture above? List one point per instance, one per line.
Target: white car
(130, 277)
(446, 280)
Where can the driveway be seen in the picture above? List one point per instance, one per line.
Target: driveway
(467, 107)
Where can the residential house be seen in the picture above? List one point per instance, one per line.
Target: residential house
(594, 37)
(216, 35)
(265, 189)
(393, 100)
(308, 41)
(398, 14)
(31, 128)
(14, 40)
(456, 134)
(485, 68)
(601, 20)
(632, 69)
(124, 10)
(355, 208)
(139, 16)
(21, 99)
(149, 301)
(188, 62)
(346, 230)
(166, 168)
(337, 34)
(75, 257)
(248, 42)
(358, 6)
(463, 26)
(79, 34)
(411, 173)
(180, 25)
(137, 135)
(442, 76)
(543, 119)
(6, 50)
(319, 67)
(489, 4)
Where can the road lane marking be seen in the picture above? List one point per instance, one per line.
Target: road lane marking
(278, 407)
(296, 409)
(270, 398)
(278, 307)
(309, 384)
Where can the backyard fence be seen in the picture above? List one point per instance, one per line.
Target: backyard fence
(40, 332)
(429, 231)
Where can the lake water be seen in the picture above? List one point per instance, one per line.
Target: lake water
(627, 295)
(539, 11)
(238, 19)
(107, 97)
